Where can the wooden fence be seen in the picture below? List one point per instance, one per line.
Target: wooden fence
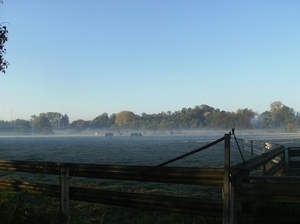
(254, 182)
(240, 183)
(178, 175)
(294, 157)
(159, 173)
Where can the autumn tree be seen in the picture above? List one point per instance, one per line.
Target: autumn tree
(124, 118)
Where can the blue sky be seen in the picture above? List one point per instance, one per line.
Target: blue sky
(87, 57)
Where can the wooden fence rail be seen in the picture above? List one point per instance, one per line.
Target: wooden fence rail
(177, 175)
(294, 157)
(261, 161)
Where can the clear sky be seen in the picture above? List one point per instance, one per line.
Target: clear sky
(87, 57)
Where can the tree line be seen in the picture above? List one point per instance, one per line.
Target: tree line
(199, 117)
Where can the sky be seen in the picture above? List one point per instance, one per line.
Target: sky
(87, 57)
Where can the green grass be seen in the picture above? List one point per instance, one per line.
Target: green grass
(24, 208)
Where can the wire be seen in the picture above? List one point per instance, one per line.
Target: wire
(237, 143)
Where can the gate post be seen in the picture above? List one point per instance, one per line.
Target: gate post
(64, 191)
(226, 181)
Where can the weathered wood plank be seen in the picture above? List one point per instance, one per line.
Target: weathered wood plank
(260, 160)
(196, 206)
(274, 169)
(180, 175)
(30, 166)
(288, 179)
(30, 187)
(226, 183)
(294, 164)
(294, 153)
(169, 175)
(267, 218)
(273, 192)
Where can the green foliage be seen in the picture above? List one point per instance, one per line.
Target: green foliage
(5, 123)
(25, 127)
(279, 115)
(56, 119)
(3, 38)
(124, 118)
(79, 125)
(101, 121)
(200, 117)
(42, 125)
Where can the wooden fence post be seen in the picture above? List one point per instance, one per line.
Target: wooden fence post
(264, 147)
(284, 159)
(289, 158)
(226, 181)
(64, 191)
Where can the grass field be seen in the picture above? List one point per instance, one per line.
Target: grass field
(25, 208)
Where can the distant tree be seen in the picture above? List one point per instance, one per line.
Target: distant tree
(243, 118)
(297, 122)
(53, 117)
(5, 123)
(290, 127)
(25, 127)
(102, 121)
(124, 118)
(112, 120)
(275, 106)
(42, 125)
(202, 116)
(282, 114)
(217, 119)
(79, 125)
(266, 119)
(64, 122)
(72, 125)
(82, 124)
